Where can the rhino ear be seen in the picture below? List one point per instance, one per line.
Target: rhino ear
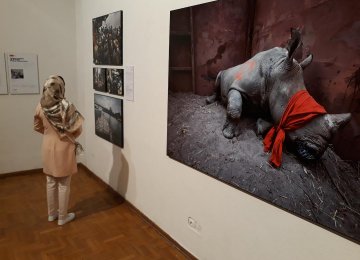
(294, 43)
(335, 121)
(306, 62)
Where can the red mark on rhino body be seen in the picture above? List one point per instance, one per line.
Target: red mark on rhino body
(251, 64)
(238, 75)
(245, 68)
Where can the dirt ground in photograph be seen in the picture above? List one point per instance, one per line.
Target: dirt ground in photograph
(326, 192)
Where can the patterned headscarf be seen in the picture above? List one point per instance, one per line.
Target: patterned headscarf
(61, 113)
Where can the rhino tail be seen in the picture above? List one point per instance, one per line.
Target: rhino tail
(216, 95)
(217, 81)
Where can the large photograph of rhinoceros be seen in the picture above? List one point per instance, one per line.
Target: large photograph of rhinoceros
(265, 96)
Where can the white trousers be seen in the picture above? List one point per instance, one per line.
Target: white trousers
(58, 192)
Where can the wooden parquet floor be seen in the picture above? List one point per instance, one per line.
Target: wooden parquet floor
(106, 227)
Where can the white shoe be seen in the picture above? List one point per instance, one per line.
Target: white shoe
(70, 217)
(52, 218)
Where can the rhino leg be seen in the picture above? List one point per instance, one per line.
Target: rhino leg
(262, 126)
(234, 109)
(211, 99)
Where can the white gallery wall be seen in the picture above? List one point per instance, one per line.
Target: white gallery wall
(46, 28)
(233, 225)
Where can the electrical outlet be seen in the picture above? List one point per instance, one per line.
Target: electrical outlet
(191, 222)
(194, 225)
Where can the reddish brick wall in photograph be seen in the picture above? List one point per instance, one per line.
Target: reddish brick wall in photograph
(220, 36)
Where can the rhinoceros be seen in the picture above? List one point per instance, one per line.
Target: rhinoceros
(268, 81)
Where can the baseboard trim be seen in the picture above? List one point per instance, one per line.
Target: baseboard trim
(139, 213)
(18, 173)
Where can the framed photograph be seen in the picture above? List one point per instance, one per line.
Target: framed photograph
(22, 73)
(109, 119)
(115, 81)
(99, 79)
(232, 97)
(3, 83)
(108, 39)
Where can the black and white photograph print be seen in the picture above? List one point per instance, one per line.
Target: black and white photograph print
(17, 73)
(109, 119)
(107, 39)
(115, 81)
(99, 79)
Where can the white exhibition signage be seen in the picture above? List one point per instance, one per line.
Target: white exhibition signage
(129, 83)
(3, 85)
(22, 73)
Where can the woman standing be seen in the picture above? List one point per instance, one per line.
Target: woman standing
(60, 123)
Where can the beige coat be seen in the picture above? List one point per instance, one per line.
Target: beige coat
(58, 155)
